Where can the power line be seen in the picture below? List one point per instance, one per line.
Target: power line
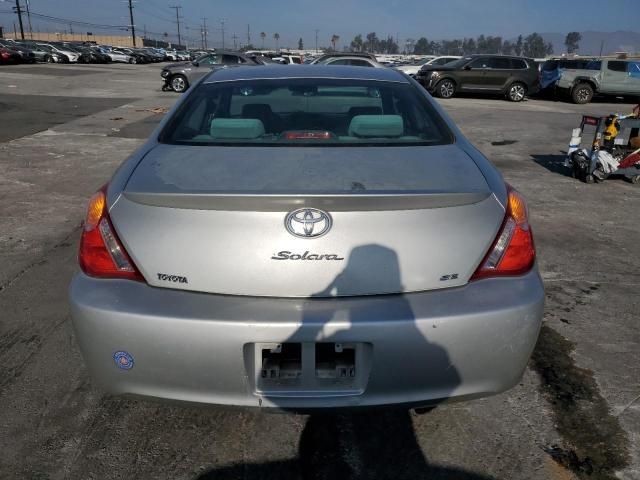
(67, 21)
(155, 15)
(177, 7)
(204, 32)
(19, 12)
(29, 20)
(133, 28)
(222, 28)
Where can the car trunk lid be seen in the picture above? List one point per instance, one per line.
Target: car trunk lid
(213, 220)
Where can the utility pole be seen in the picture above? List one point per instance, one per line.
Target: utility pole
(317, 31)
(204, 32)
(248, 34)
(29, 19)
(18, 10)
(235, 44)
(133, 27)
(177, 7)
(222, 25)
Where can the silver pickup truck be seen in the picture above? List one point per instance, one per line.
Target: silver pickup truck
(603, 77)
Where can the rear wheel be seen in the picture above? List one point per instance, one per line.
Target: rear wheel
(179, 83)
(582, 93)
(516, 92)
(48, 59)
(445, 88)
(133, 60)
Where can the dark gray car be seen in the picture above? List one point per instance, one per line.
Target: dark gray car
(513, 77)
(179, 76)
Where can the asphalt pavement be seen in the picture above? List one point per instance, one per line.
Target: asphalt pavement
(574, 415)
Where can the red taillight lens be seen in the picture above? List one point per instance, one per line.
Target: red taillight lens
(513, 252)
(101, 253)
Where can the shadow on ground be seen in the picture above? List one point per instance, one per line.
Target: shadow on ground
(373, 445)
(553, 163)
(379, 444)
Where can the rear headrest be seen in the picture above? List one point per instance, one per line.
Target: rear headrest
(256, 110)
(236, 128)
(376, 126)
(353, 111)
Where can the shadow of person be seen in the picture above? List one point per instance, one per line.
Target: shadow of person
(403, 367)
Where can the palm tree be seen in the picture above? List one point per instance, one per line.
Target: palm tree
(334, 40)
(276, 37)
(263, 36)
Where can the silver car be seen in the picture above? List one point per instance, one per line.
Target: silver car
(316, 237)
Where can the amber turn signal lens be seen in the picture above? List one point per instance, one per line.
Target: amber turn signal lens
(518, 208)
(95, 210)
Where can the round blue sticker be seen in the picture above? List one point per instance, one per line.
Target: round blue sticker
(123, 360)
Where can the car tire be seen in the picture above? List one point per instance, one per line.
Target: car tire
(445, 88)
(179, 83)
(48, 59)
(516, 92)
(582, 93)
(133, 61)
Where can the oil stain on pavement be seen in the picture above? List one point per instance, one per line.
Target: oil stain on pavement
(595, 446)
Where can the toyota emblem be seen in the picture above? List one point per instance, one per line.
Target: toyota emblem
(308, 223)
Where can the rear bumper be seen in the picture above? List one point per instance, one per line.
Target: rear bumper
(423, 348)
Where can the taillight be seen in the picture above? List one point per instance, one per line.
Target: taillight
(101, 253)
(513, 251)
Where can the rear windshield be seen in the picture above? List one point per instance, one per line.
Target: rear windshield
(306, 112)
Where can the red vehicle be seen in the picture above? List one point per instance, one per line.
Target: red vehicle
(9, 56)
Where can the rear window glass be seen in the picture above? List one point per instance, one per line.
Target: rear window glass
(306, 112)
(617, 66)
(500, 63)
(518, 64)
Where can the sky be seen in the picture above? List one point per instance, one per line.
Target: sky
(433, 19)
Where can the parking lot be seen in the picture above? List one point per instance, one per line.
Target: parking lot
(575, 415)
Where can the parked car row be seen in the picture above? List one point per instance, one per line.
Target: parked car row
(579, 79)
(32, 51)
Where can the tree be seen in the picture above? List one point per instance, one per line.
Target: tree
(421, 47)
(494, 44)
(334, 40)
(535, 47)
(482, 44)
(451, 47)
(508, 47)
(572, 41)
(372, 42)
(409, 45)
(469, 46)
(276, 37)
(518, 47)
(549, 48)
(300, 44)
(357, 44)
(263, 36)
